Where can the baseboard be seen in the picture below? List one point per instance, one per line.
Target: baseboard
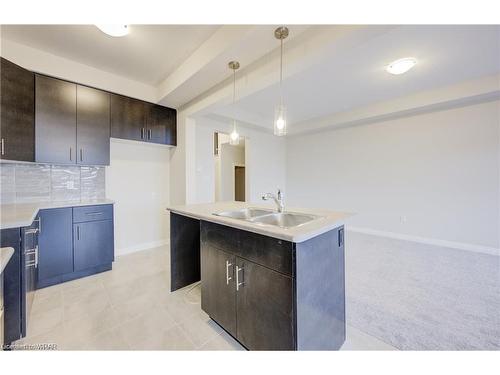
(140, 247)
(427, 241)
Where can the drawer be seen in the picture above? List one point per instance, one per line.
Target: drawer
(267, 251)
(92, 213)
(220, 236)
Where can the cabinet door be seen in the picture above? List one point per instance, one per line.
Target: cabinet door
(92, 126)
(17, 112)
(12, 286)
(161, 125)
(264, 307)
(218, 293)
(127, 118)
(55, 121)
(93, 244)
(55, 243)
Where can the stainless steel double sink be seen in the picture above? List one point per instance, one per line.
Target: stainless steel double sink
(268, 217)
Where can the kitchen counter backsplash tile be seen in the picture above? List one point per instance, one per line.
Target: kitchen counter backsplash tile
(65, 183)
(92, 183)
(25, 183)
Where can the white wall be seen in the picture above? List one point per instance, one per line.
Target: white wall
(138, 181)
(264, 161)
(438, 170)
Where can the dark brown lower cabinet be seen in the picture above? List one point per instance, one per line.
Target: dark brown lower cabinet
(269, 294)
(218, 287)
(264, 308)
(252, 302)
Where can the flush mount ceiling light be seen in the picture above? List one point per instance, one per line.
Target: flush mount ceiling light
(234, 137)
(114, 30)
(401, 66)
(280, 111)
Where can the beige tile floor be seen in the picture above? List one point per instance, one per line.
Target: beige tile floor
(131, 308)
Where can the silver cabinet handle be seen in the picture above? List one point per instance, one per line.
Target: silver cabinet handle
(149, 133)
(36, 256)
(39, 220)
(142, 133)
(238, 284)
(3, 147)
(81, 154)
(70, 154)
(78, 233)
(227, 272)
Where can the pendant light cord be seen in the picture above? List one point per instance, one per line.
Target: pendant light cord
(234, 100)
(281, 73)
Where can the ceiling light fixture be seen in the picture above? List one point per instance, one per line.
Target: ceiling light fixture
(234, 137)
(114, 30)
(401, 66)
(280, 111)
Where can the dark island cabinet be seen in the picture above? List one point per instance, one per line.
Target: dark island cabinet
(92, 126)
(217, 289)
(17, 100)
(55, 121)
(279, 295)
(128, 118)
(264, 307)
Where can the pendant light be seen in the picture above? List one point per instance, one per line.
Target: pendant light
(234, 137)
(280, 112)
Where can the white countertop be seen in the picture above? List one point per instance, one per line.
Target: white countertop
(23, 214)
(328, 220)
(5, 255)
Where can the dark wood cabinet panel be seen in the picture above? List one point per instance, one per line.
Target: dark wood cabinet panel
(161, 125)
(93, 126)
(93, 244)
(17, 110)
(128, 118)
(55, 243)
(218, 293)
(264, 308)
(12, 275)
(55, 121)
(184, 251)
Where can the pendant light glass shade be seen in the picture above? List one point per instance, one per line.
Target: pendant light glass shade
(234, 137)
(280, 120)
(280, 111)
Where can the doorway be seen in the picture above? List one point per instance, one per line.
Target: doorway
(230, 169)
(239, 183)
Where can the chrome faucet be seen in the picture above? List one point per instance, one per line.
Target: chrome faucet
(278, 199)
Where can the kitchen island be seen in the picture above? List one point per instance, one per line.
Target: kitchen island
(273, 281)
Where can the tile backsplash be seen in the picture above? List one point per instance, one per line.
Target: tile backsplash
(24, 183)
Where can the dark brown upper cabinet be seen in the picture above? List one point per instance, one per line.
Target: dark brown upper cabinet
(142, 121)
(17, 108)
(55, 121)
(161, 125)
(128, 118)
(92, 126)
(72, 123)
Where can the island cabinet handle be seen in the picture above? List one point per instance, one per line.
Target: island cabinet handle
(238, 284)
(227, 272)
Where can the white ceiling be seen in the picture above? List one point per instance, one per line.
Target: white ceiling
(148, 54)
(357, 77)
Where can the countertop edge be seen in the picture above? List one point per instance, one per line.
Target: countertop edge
(255, 228)
(5, 256)
(36, 207)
